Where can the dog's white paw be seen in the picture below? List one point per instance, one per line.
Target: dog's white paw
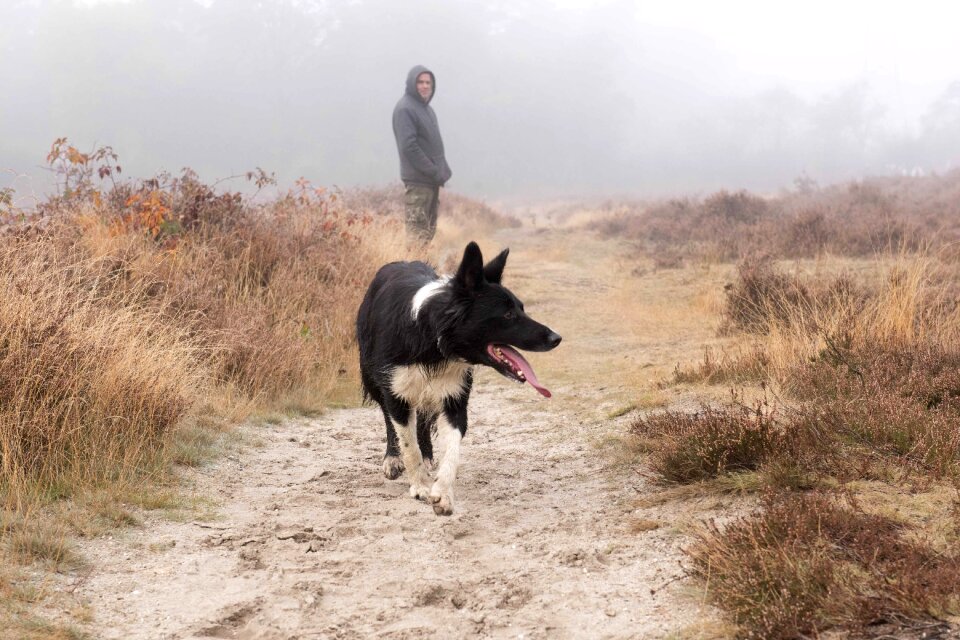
(442, 500)
(392, 467)
(420, 482)
(419, 491)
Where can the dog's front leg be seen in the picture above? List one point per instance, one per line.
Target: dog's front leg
(451, 427)
(412, 459)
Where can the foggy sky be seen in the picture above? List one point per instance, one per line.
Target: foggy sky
(534, 98)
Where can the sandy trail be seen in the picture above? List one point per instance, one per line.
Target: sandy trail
(311, 541)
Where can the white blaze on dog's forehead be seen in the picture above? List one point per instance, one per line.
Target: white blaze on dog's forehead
(426, 292)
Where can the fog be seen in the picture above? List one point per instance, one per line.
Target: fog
(534, 98)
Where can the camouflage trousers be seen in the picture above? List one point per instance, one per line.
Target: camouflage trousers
(420, 208)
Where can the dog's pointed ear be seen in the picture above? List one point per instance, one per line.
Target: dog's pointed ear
(493, 271)
(470, 273)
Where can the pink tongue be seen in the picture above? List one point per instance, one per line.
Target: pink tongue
(524, 366)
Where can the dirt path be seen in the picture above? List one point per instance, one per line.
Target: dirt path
(311, 541)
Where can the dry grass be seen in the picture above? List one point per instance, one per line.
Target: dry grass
(900, 302)
(669, 317)
(22, 626)
(32, 537)
(31, 541)
(744, 366)
(459, 219)
(642, 525)
(878, 371)
(91, 382)
(762, 296)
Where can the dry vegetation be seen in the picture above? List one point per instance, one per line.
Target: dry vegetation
(864, 380)
(857, 219)
(455, 209)
(139, 319)
(810, 562)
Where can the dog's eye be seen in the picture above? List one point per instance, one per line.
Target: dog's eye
(510, 315)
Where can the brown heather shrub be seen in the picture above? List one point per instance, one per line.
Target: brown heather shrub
(901, 403)
(689, 447)
(806, 233)
(807, 563)
(857, 219)
(762, 296)
(268, 292)
(722, 227)
(879, 214)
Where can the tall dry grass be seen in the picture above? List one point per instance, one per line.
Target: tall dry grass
(914, 304)
(91, 381)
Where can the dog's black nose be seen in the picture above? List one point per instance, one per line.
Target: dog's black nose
(553, 339)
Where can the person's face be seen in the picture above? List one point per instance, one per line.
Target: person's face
(425, 86)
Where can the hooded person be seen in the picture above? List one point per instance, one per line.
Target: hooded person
(423, 167)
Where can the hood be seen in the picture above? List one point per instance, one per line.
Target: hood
(412, 81)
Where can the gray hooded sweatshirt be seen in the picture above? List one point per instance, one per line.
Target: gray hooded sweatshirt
(418, 136)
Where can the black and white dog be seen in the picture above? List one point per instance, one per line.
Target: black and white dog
(420, 336)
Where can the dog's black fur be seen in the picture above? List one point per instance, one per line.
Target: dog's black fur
(456, 326)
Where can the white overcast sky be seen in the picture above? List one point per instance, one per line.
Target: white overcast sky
(907, 51)
(644, 96)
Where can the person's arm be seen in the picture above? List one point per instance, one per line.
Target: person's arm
(406, 129)
(445, 172)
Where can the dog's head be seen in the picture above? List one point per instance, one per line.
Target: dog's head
(488, 324)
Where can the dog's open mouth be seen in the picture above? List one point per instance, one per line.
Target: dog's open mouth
(515, 366)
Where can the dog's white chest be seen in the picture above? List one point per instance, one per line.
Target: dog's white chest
(421, 386)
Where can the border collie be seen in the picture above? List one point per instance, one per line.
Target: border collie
(420, 335)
